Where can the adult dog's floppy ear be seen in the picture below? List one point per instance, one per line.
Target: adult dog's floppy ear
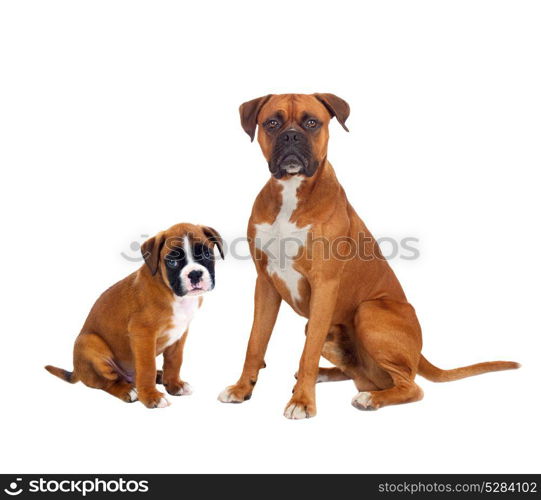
(248, 114)
(150, 250)
(214, 237)
(336, 106)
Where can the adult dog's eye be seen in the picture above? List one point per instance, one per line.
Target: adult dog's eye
(272, 124)
(173, 264)
(311, 123)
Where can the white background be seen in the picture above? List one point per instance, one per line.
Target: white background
(119, 118)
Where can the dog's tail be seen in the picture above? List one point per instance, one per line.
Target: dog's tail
(65, 375)
(435, 374)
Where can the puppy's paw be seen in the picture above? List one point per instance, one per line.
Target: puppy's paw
(178, 388)
(364, 401)
(132, 395)
(235, 394)
(153, 399)
(127, 394)
(300, 407)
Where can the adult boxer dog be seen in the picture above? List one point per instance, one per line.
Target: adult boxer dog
(313, 251)
(144, 315)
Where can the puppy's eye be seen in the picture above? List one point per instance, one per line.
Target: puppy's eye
(173, 264)
(272, 124)
(311, 123)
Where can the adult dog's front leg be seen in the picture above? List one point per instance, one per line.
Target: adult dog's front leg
(322, 303)
(266, 307)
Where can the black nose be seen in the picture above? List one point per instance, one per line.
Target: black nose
(290, 136)
(195, 276)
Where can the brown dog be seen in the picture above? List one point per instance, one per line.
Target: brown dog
(312, 250)
(144, 315)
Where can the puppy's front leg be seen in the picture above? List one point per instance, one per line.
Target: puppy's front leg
(172, 361)
(143, 346)
(322, 304)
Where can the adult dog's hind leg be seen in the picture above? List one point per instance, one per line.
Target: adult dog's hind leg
(332, 374)
(340, 349)
(390, 334)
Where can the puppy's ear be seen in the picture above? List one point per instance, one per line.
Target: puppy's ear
(336, 106)
(150, 250)
(248, 114)
(214, 237)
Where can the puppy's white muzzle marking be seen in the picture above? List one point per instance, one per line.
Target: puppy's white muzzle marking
(203, 285)
(205, 282)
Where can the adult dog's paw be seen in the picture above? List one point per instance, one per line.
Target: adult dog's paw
(300, 407)
(364, 401)
(235, 394)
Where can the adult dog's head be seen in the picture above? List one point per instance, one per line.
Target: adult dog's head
(293, 129)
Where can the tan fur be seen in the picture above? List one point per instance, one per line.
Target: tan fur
(125, 330)
(358, 315)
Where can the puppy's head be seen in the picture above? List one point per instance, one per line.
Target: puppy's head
(183, 256)
(293, 129)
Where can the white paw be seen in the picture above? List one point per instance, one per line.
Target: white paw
(227, 396)
(296, 412)
(163, 403)
(363, 401)
(185, 390)
(132, 395)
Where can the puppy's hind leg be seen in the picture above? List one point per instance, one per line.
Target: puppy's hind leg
(94, 364)
(122, 390)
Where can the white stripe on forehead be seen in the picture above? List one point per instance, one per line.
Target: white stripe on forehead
(187, 250)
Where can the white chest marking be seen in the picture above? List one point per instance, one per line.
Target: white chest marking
(183, 311)
(282, 240)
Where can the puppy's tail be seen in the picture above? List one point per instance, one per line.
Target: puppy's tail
(65, 375)
(435, 374)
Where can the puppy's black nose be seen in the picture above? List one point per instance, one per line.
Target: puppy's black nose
(195, 276)
(290, 136)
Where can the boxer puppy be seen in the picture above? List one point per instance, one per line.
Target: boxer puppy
(312, 251)
(146, 314)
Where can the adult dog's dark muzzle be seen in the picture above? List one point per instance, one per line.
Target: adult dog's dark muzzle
(292, 154)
